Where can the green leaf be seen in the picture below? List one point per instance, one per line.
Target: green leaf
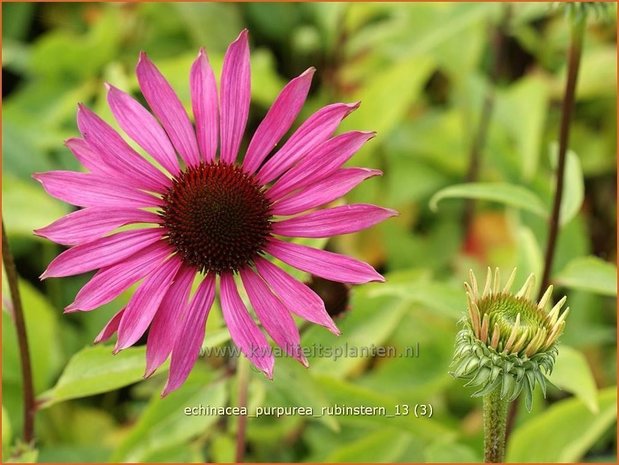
(215, 338)
(378, 98)
(530, 259)
(568, 430)
(444, 298)
(94, 370)
(26, 206)
(43, 338)
(362, 328)
(78, 57)
(16, 19)
(7, 432)
(450, 452)
(573, 189)
(222, 448)
(385, 445)
(589, 274)
(22, 453)
(522, 111)
(574, 184)
(74, 453)
(571, 372)
(596, 76)
(341, 392)
(295, 383)
(165, 423)
(507, 194)
(214, 24)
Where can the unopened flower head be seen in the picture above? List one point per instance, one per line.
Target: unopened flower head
(509, 340)
(204, 213)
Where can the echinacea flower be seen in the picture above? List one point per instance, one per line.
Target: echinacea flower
(509, 341)
(203, 213)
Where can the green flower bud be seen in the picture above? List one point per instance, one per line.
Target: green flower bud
(508, 342)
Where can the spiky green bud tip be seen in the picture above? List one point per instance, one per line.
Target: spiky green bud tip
(580, 11)
(508, 342)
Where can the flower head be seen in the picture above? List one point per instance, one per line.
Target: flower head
(203, 215)
(508, 341)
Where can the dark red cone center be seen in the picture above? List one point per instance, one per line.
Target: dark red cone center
(218, 218)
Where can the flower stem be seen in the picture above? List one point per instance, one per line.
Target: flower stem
(22, 339)
(243, 385)
(573, 66)
(495, 419)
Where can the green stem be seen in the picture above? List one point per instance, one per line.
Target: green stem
(22, 338)
(495, 419)
(573, 65)
(243, 385)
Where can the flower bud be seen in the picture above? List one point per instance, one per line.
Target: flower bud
(509, 341)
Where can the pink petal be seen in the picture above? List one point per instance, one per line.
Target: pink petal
(205, 106)
(319, 164)
(91, 223)
(168, 109)
(87, 156)
(145, 302)
(299, 298)
(245, 333)
(235, 97)
(278, 120)
(187, 348)
(333, 221)
(273, 315)
(116, 153)
(89, 190)
(110, 328)
(327, 190)
(101, 252)
(166, 325)
(314, 131)
(109, 282)
(143, 128)
(321, 263)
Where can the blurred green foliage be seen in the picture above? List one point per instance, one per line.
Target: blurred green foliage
(421, 71)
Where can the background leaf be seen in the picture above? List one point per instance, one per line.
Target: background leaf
(590, 274)
(94, 370)
(164, 422)
(572, 373)
(506, 194)
(568, 429)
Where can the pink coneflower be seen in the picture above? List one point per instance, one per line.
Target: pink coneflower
(207, 214)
